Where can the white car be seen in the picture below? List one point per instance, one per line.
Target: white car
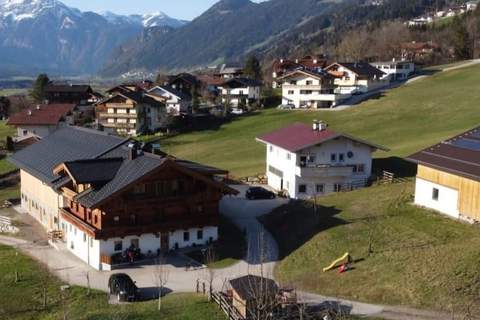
(285, 107)
(237, 111)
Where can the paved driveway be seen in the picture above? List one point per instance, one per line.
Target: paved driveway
(241, 211)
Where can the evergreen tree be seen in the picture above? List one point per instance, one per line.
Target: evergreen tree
(461, 38)
(38, 91)
(252, 69)
(195, 99)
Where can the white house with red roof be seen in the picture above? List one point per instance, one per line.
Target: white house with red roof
(42, 119)
(305, 161)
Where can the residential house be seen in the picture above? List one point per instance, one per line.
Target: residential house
(252, 292)
(471, 5)
(420, 22)
(282, 67)
(184, 82)
(130, 113)
(41, 120)
(351, 78)
(69, 93)
(396, 70)
(308, 89)
(448, 176)
(177, 102)
(230, 71)
(238, 92)
(418, 51)
(306, 161)
(104, 195)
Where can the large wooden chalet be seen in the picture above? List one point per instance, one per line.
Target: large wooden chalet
(109, 196)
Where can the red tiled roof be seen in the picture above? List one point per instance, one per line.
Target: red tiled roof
(299, 136)
(50, 114)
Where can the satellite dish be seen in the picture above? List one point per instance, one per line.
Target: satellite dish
(350, 154)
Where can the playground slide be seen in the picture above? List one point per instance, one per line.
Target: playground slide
(334, 263)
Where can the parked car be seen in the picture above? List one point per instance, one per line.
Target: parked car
(254, 193)
(123, 287)
(237, 111)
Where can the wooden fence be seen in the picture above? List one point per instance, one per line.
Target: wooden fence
(6, 225)
(5, 221)
(232, 313)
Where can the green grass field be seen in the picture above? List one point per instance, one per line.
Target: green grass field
(10, 92)
(419, 258)
(23, 300)
(405, 120)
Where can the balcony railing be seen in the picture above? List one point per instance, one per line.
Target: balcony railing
(105, 115)
(326, 170)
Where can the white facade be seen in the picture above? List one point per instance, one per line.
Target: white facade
(307, 91)
(239, 96)
(332, 166)
(351, 83)
(175, 104)
(437, 197)
(90, 250)
(396, 70)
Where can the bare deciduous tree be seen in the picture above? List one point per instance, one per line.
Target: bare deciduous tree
(161, 276)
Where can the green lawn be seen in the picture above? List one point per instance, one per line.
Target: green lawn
(10, 92)
(23, 300)
(405, 120)
(5, 131)
(419, 258)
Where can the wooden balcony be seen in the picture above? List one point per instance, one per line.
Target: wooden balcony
(165, 223)
(106, 115)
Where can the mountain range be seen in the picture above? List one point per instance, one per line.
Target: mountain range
(48, 36)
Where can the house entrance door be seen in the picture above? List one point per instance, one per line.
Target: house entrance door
(281, 185)
(164, 242)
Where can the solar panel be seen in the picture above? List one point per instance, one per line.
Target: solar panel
(467, 144)
(476, 135)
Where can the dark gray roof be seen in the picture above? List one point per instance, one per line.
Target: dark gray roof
(63, 145)
(128, 172)
(173, 91)
(363, 69)
(94, 171)
(242, 82)
(250, 286)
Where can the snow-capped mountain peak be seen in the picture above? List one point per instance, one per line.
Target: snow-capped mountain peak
(157, 19)
(19, 10)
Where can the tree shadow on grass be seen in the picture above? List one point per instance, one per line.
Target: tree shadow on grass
(294, 224)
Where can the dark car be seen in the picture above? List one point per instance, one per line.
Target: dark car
(121, 285)
(259, 193)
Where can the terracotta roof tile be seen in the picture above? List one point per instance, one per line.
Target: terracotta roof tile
(50, 114)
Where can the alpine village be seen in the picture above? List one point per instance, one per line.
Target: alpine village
(251, 160)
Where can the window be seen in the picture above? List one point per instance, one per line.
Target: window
(291, 92)
(320, 188)
(309, 82)
(118, 245)
(75, 231)
(72, 246)
(25, 132)
(289, 156)
(435, 194)
(333, 157)
(116, 220)
(360, 168)
(199, 234)
(84, 237)
(311, 159)
(186, 236)
(91, 243)
(271, 148)
(302, 188)
(337, 187)
(303, 161)
(341, 157)
(95, 219)
(139, 189)
(135, 243)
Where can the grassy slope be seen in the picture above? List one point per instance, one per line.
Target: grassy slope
(23, 300)
(420, 258)
(405, 120)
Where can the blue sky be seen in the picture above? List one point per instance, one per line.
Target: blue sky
(180, 9)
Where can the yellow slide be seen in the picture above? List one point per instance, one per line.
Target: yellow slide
(334, 263)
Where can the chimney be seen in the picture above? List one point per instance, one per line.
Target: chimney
(296, 60)
(29, 112)
(281, 60)
(322, 126)
(132, 151)
(38, 107)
